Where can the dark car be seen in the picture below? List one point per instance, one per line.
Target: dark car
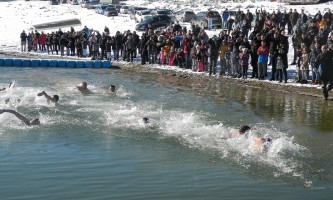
(54, 2)
(163, 12)
(201, 19)
(156, 21)
(110, 11)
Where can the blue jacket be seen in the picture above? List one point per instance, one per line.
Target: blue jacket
(225, 15)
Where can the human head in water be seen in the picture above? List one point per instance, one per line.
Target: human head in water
(112, 88)
(145, 120)
(243, 129)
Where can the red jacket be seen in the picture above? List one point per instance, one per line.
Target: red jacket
(42, 39)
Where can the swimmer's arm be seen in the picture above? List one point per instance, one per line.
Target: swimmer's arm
(18, 115)
(2, 89)
(48, 97)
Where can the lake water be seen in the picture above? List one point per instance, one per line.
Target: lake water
(96, 146)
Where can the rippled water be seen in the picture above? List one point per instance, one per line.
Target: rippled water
(96, 146)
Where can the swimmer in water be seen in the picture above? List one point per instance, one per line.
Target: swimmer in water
(145, 120)
(21, 117)
(243, 130)
(262, 143)
(112, 88)
(83, 87)
(3, 89)
(53, 99)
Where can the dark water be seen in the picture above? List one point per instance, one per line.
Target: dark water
(97, 147)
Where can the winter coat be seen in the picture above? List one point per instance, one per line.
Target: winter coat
(262, 54)
(244, 58)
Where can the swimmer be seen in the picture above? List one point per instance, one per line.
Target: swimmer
(83, 87)
(10, 100)
(145, 120)
(112, 88)
(21, 117)
(3, 89)
(53, 99)
(241, 131)
(262, 143)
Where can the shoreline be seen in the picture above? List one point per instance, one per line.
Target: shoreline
(187, 78)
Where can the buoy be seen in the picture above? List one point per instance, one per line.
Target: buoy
(80, 64)
(62, 63)
(26, 63)
(44, 63)
(89, 64)
(17, 62)
(71, 63)
(8, 62)
(106, 64)
(35, 63)
(53, 63)
(97, 64)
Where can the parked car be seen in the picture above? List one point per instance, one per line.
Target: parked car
(132, 10)
(90, 4)
(164, 12)
(110, 11)
(101, 8)
(117, 6)
(75, 2)
(201, 19)
(156, 21)
(141, 15)
(184, 15)
(54, 2)
(124, 9)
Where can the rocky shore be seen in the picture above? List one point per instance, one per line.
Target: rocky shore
(188, 78)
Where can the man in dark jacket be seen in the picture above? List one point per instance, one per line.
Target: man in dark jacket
(213, 55)
(23, 37)
(324, 61)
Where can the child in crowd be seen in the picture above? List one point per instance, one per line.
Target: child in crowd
(228, 60)
(171, 56)
(234, 58)
(180, 56)
(304, 65)
(194, 58)
(312, 59)
(244, 62)
(199, 59)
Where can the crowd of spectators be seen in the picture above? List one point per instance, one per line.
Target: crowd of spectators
(246, 39)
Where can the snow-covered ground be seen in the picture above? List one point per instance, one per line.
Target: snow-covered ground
(16, 16)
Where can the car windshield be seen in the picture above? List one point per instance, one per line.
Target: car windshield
(147, 20)
(110, 9)
(201, 15)
(145, 12)
(189, 12)
(163, 12)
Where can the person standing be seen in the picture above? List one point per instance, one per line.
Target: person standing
(281, 63)
(262, 60)
(225, 17)
(23, 37)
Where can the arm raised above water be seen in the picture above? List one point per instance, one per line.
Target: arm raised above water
(21, 117)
